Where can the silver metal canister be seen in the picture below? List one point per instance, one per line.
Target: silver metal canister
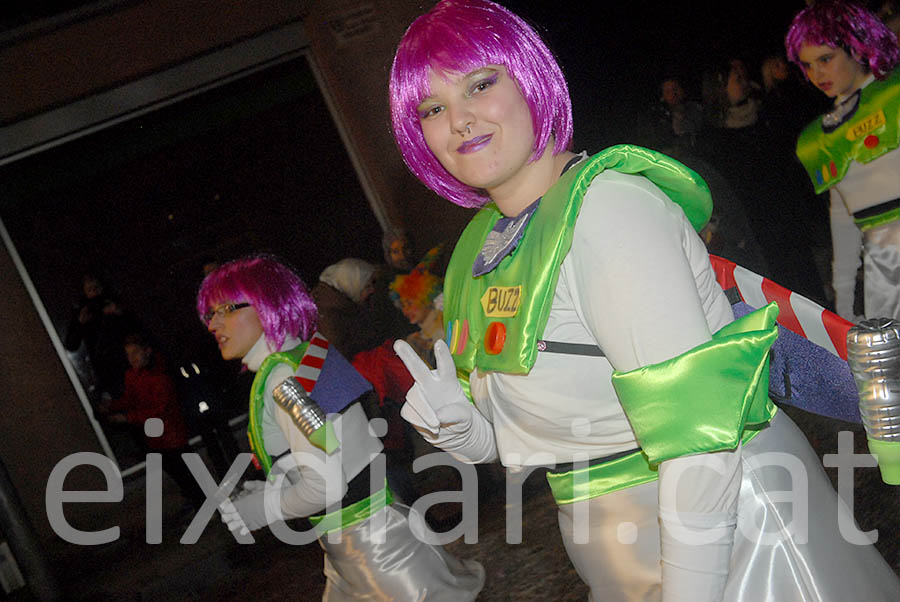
(306, 413)
(873, 352)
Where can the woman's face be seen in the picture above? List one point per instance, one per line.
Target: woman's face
(397, 254)
(832, 70)
(479, 127)
(91, 287)
(780, 69)
(235, 331)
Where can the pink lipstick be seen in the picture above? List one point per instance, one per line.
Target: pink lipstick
(474, 145)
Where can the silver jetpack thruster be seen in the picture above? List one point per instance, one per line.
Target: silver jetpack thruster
(873, 352)
(306, 414)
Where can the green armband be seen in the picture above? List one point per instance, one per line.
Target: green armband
(703, 399)
(356, 512)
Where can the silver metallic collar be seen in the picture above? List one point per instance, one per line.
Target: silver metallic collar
(841, 113)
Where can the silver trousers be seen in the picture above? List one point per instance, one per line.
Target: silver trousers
(380, 560)
(621, 561)
(881, 271)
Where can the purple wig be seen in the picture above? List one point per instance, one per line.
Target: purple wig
(846, 25)
(460, 36)
(281, 300)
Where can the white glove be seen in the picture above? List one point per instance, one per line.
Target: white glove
(258, 506)
(440, 411)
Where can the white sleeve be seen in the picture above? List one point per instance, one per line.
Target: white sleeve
(846, 242)
(321, 477)
(632, 271)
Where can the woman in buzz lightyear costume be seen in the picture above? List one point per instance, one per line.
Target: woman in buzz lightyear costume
(854, 151)
(611, 350)
(261, 312)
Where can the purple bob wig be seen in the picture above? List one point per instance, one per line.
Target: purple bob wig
(460, 36)
(281, 300)
(846, 25)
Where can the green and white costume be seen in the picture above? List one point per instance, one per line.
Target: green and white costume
(377, 558)
(634, 279)
(858, 162)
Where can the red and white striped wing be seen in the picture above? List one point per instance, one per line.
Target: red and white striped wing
(796, 313)
(312, 362)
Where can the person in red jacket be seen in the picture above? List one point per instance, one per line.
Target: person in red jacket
(149, 392)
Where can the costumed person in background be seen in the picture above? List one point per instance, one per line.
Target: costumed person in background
(852, 151)
(584, 307)
(416, 294)
(259, 310)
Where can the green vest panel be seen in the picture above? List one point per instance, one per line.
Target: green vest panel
(291, 357)
(872, 131)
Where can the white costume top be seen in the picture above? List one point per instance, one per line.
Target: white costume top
(864, 185)
(318, 471)
(638, 283)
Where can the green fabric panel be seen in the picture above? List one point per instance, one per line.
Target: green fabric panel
(463, 378)
(867, 223)
(291, 357)
(535, 263)
(589, 482)
(817, 150)
(548, 235)
(703, 399)
(354, 513)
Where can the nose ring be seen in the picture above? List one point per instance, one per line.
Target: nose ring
(468, 129)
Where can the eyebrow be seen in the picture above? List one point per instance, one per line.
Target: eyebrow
(477, 73)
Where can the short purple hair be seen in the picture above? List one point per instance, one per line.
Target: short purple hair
(462, 36)
(846, 25)
(281, 300)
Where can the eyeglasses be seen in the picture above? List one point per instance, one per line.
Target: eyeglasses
(222, 311)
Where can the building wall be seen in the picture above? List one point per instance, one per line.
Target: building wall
(52, 68)
(353, 42)
(41, 419)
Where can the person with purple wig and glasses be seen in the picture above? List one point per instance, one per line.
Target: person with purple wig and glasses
(853, 151)
(260, 312)
(583, 314)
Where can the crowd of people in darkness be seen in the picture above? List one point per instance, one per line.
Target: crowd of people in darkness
(737, 123)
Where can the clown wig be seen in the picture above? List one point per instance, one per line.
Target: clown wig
(281, 300)
(846, 25)
(421, 285)
(460, 36)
